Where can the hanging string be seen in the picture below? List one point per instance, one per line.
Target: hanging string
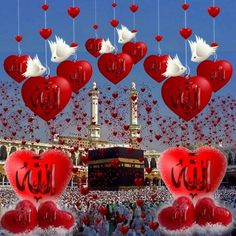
(114, 30)
(214, 25)
(158, 26)
(73, 30)
(73, 36)
(18, 27)
(185, 42)
(95, 18)
(46, 44)
(134, 22)
(214, 31)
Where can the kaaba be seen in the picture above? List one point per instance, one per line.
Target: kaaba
(115, 168)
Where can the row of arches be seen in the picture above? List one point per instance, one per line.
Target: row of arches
(232, 158)
(4, 154)
(153, 182)
(152, 164)
(76, 159)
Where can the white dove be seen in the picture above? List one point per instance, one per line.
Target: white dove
(201, 50)
(125, 35)
(107, 47)
(34, 68)
(60, 50)
(174, 67)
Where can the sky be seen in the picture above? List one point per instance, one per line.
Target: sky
(171, 20)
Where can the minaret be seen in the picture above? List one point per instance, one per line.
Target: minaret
(94, 127)
(134, 127)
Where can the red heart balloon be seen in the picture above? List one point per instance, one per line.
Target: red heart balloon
(136, 50)
(103, 210)
(138, 181)
(73, 11)
(133, 8)
(185, 6)
(114, 22)
(115, 163)
(115, 67)
(186, 97)
(93, 46)
(148, 170)
(214, 11)
(85, 220)
(21, 220)
(45, 7)
(78, 73)
(15, 66)
(95, 26)
(45, 33)
(155, 66)
(192, 173)
(124, 229)
(158, 38)
(50, 216)
(114, 4)
(46, 97)
(208, 213)
(85, 159)
(178, 216)
(38, 177)
(218, 73)
(139, 202)
(18, 38)
(185, 32)
(84, 190)
(154, 226)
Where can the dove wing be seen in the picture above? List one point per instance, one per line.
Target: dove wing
(192, 46)
(213, 50)
(119, 32)
(32, 68)
(202, 48)
(37, 61)
(127, 35)
(177, 61)
(53, 46)
(109, 45)
(62, 48)
(103, 48)
(172, 68)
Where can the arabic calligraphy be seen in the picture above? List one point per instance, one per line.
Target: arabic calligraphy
(188, 99)
(16, 68)
(79, 75)
(156, 66)
(193, 177)
(180, 216)
(117, 66)
(39, 181)
(47, 98)
(137, 52)
(218, 74)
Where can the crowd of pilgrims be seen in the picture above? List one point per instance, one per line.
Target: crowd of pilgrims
(116, 213)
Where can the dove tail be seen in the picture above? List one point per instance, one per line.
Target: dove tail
(166, 74)
(213, 49)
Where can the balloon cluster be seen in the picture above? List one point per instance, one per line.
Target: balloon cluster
(189, 95)
(191, 179)
(48, 96)
(39, 180)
